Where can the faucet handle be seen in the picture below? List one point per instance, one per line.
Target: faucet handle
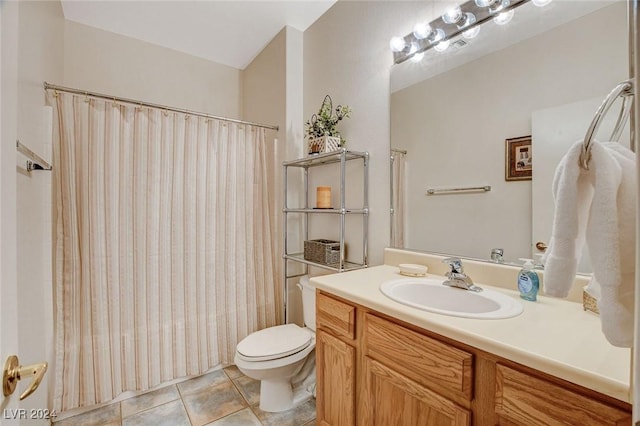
(497, 255)
(455, 264)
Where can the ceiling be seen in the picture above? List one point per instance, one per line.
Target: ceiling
(227, 32)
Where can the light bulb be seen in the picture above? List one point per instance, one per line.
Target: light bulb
(442, 46)
(421, 30)
(417, 57)
(541, 3)
(397, 44)
(469, 19)
(436, 35)
(484, 3)
(503, 18)
(472, 33)
(452, 15)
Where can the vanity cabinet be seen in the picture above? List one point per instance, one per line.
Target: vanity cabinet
(523, 399)
(391, 398)
(335, 361)
(336, 381)
(376, 370)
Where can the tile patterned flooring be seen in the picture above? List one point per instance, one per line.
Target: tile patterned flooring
(221, 398)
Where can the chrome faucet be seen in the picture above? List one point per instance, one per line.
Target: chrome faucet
(497, 255)
(457, 278)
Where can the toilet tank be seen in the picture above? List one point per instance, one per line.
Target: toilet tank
(308, 302)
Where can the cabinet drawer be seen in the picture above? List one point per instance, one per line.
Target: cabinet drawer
(429, 362)
(527, 400)
(335, 315)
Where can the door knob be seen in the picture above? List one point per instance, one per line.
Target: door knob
(13, 372)
(541, 246)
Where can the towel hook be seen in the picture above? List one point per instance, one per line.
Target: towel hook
(624, 90)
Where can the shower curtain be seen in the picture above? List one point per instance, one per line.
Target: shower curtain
(165, 245)
(397, 201)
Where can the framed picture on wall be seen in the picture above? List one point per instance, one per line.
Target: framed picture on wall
(518, 158)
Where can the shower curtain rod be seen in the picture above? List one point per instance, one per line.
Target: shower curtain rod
(48, 86)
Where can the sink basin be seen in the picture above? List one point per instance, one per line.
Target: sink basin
(430, 295)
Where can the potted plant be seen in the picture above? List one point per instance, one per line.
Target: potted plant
(321, 130)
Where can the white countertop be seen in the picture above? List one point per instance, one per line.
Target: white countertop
(551, 335)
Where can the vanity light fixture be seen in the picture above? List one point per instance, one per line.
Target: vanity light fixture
(423, 31)
(504, 18)
(418, 56)
(494, 6)
(442, 46)
(473, 32)
(463, 20)
(453, 15)
(456, 17)
(397, 44)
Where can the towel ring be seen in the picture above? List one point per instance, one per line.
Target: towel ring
(624, 90)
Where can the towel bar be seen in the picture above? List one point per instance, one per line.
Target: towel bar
(623, 90)
(35, 162)
(432, 191)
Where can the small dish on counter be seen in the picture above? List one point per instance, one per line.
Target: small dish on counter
(412, 270)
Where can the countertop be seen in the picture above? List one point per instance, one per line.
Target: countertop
(552, 335)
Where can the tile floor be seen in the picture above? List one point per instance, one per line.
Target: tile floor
(220, 398)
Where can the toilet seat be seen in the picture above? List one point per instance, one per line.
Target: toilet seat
(273, 343)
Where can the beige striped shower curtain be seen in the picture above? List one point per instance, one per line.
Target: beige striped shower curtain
(166, 250)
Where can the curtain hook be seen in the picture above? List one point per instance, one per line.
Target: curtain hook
(166, 112)
(55, 93)
(86, 97)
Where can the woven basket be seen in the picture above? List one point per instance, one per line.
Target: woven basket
(323, 144)
(590, 303)
(322, 251)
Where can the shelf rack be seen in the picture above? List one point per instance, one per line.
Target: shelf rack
(341, 156)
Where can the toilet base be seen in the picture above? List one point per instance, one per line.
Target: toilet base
(277, 395)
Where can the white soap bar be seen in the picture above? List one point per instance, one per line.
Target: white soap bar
(412, 270)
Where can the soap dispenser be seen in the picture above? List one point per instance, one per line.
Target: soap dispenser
(528, 281)
(538, 263)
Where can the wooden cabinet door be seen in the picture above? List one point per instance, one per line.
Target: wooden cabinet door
(389, 398)
(522, 399)
(336, 381)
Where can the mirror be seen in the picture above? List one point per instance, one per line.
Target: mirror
(544, 74)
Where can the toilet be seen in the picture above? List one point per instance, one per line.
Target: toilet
(283, 358)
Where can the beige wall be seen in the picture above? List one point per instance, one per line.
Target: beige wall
(272, 94)
(40, 55)
(8, 133)
(346, 55)
(110, 63)
(453, 141)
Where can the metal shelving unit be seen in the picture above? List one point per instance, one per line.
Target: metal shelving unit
(341, 156)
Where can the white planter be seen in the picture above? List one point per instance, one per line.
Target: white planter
(323, 144)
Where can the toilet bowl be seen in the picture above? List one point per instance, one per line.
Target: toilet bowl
(282, 358)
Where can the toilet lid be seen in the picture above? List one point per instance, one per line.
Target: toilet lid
(274, 342)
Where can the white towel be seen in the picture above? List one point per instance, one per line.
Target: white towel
(572, 192)
(611, 240)
(599, 204)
